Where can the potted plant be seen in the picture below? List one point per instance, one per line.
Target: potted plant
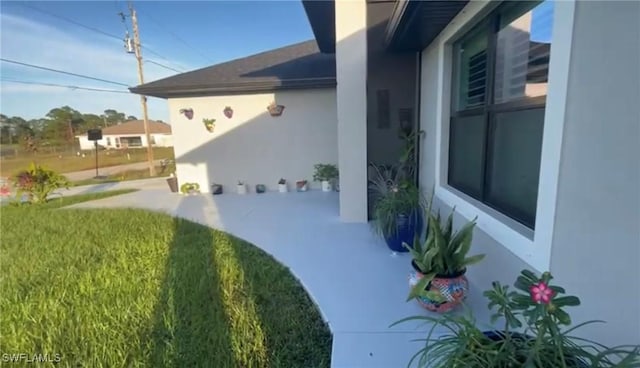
(188, 112)
(216, 189)
(325, 173)
(282, 185)
(242, 187)
(261, 188)
(37, 183)
(397, 207)
(275, 109)
(190, 188)
(438, 281)
(301, 185)
(535, 333)
(210, 124)
(173, 183)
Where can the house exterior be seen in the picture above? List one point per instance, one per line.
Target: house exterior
(529, 117)
(130, 135)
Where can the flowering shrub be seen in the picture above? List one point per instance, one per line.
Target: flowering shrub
(37, 183)
(532, 334)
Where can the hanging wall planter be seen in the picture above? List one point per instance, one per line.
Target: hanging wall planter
(210, 124)
(275, 110)
(187, 112)
(228, 112)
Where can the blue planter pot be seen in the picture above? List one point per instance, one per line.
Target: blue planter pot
(407, 228)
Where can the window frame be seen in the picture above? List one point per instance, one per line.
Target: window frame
(488, 110)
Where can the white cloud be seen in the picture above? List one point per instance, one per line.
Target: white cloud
(82, 53)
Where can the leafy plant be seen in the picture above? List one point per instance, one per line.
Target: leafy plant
(325, 172)
(444, 252)
(537, 309)
(38, 183)
(240, 182)
(210, 124)
(282, 181)
(189, 187)
(394, 197)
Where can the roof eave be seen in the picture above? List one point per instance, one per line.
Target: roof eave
(321, 15)
(222, 89)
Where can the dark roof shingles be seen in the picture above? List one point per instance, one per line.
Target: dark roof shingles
(301, 65)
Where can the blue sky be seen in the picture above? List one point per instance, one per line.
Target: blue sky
(216, 31)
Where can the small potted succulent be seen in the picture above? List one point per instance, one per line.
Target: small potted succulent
(261, 188)
(173, 183)
(242, 187)
(210, 124)
(190, 188)
(327, 174)
(535, 332)
(302, 185)
(228, 112)
(438, 281)
(216, 189)
(282, 185)
(275, 109)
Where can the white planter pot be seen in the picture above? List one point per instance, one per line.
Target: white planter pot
(282, 188)
(242, 189)
(326, 186)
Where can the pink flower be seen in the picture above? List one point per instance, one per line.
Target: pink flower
(541, 293)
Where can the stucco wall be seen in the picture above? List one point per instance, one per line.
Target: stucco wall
(253, 146)
(594, 238)
(596, 243)
(351, 75)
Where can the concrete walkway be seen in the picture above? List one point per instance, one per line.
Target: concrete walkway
(359, 286)
(110, 170)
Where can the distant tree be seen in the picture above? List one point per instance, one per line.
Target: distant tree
(131, 117)
(114, 117)
(91, 121)
(62, 124)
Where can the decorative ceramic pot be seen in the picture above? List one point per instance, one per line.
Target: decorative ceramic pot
(228, 112)
(261, 188)
(282, 188)
(326, 186)
(275, 110)
(187, 112)
(301, 186)
(406, 229)
(242, 189)
(216, 189)
(453, 289)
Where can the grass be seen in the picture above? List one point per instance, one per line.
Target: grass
(69, 161)
(140, 289)
(125, 176)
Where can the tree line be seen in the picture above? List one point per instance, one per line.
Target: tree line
(57, 128)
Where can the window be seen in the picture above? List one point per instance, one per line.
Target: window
(108, 141)
(500, 75)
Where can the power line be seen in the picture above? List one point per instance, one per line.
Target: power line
(164, 28)
(61, 71)
(62, 86)
(110, 35)
(162, 65)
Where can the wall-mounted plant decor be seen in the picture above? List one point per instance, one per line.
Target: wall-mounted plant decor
(228, 112)
(275, 110)
(210, 124)
(187, 112)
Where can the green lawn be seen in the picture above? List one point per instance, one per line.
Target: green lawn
(68, 161)
(115, 288)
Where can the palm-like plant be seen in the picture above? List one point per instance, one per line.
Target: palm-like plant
(443, 254)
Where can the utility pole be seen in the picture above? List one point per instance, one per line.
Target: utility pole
(143, 99)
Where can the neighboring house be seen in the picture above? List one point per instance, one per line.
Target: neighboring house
(130, 135)
(530, 116)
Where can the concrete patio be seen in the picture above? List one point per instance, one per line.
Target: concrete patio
(359, 286)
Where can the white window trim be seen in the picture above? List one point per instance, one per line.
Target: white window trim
(536, 250)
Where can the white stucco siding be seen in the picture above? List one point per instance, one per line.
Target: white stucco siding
(253, 146)
(587, 229)
(596, 242)
(351, 74)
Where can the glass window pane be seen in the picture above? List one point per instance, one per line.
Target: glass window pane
(466, 148)
(471, 69)
(523, 51)
(514, 166)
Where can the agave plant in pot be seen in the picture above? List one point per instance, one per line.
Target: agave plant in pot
(398, 207)
(438, 281)
(535, 333)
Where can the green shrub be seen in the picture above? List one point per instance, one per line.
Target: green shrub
(38, 182)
